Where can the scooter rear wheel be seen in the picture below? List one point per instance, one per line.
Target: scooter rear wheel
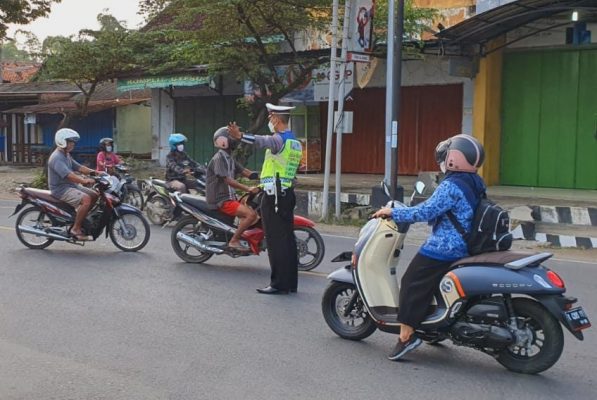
(546, 339)
(191, 227)
(358, 324)
(33, 217)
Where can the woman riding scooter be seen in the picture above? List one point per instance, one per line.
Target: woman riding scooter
(459, 193)
(106, 158)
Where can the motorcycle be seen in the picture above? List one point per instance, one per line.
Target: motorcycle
(158, 205)
(126, 188)
(205, 232)
(49, 219)
(505, 304)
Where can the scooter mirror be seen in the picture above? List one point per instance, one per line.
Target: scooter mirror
(386, 189)
(419, 187)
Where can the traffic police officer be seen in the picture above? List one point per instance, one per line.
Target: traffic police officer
(282, 159)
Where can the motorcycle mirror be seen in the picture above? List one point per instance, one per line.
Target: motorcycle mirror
(419, 187)
(386, 189)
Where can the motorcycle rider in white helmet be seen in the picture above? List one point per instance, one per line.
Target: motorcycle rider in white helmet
(65, 184)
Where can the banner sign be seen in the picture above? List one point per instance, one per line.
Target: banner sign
(158, 82)
(362, 26)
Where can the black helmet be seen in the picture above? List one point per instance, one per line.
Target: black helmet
(462, 153)
(105, 142)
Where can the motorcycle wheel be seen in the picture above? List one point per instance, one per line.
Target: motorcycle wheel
(134, 197)
(191, 227)
(157, 209)
(547, 339)
(33, 217)
(309, 247)
(134, 235)
(358, 324)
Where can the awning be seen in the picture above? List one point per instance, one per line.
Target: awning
(500, 20)
(61, 107)
(158, 82)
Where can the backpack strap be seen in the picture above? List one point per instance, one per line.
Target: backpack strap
(457, 225)
(469, 194)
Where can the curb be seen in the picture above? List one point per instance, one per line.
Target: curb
(565, 215)
(527, 230)
(581, 216)
(310, 202)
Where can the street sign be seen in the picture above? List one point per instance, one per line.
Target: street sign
(358, 57)
(321, 82)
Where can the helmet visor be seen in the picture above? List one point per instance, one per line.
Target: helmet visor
(441, 151)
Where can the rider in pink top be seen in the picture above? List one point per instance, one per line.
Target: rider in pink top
(106, 158)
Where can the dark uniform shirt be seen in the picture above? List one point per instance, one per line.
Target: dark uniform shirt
(176, 163)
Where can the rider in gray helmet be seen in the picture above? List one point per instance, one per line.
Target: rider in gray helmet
(221, 184)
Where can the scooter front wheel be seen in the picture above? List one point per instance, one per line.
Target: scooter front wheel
(130, 232)
(352, 324)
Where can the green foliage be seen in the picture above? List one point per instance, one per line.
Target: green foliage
(89, 59)
(151, 8)
(40, 181)
(416, 20)
(249, 39)
(22, 12)
(10, 51)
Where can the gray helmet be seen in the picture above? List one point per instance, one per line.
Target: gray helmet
(222, 133)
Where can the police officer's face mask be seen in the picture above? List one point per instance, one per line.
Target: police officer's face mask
(271, 126)
(180, 147)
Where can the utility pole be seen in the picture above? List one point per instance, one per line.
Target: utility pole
(331, 97)
(393, 84)
(341, 95)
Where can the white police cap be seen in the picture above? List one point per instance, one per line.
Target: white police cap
(278, 109)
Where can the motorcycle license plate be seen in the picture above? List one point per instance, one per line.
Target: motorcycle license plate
(577, 319)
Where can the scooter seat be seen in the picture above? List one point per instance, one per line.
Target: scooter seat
(202, 205)
(494, 258)
(47, 196)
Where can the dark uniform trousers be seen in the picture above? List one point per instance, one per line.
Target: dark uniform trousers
(281, 242)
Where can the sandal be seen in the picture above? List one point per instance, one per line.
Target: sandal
(80, 237)
(239, 248)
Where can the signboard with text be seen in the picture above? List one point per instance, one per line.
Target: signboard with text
(321, 82)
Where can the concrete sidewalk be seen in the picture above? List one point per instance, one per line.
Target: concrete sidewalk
(509, 196)
(560, 217)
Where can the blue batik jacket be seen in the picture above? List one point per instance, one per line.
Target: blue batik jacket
(459, 192)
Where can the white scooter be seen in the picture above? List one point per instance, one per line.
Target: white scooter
(505, 304)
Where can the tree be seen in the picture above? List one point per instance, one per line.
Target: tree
(10, 51)
(22, 12)
(151, 8)
(254, 40)
(91, 58)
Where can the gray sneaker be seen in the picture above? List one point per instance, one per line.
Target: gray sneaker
(402, 348)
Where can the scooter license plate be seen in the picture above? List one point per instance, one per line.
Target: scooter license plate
(577, 319)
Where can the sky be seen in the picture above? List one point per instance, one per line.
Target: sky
(70, 16)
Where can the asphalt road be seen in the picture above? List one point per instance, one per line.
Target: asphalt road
(95, 323)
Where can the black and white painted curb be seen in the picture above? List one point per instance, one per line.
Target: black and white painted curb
(565, 215)
(579, 217)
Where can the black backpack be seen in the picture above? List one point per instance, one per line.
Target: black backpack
(490, 229)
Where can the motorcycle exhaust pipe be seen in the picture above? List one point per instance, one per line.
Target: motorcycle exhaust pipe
(38, 232)
(198, 245)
